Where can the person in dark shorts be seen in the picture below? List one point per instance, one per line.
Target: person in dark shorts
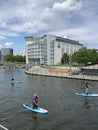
(87, 88)
(35, 100)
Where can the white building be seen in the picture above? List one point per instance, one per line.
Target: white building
(49, 49)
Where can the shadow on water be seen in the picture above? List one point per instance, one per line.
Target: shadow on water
(34, 121)
(87, 102)
(12, 84)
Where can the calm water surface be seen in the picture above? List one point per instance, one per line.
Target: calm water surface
(66, 110)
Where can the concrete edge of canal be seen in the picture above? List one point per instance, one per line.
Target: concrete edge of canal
(46, 72)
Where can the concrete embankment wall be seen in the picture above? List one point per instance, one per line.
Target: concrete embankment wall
(65, 72)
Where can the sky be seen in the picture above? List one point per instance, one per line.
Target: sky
(73, 19)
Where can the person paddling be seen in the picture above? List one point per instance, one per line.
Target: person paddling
(12, 79)
(35, 100)
(87, 88)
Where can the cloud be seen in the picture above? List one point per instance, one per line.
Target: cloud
(9, 44)
(34, 16)
(67, 6)
(2, 38)
(0, 46)
(75, 19)
(60, 13)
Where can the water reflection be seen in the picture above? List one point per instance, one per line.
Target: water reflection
(34, 121)
(12, 84)
(87, 104)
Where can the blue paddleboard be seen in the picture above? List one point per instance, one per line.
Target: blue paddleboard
(38, 109)
(87, 95)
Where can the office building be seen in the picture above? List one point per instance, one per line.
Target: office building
(0, 55)
(6, 51)
(49, 49)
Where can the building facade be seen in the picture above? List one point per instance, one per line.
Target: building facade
(49, 49)
(6, 51)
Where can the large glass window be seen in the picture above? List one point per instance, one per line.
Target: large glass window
(63, 50)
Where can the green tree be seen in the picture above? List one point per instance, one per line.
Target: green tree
(65, 58)
(9, 58)
(12, 58)
(19, 58)
(93, 55)
(84, 56)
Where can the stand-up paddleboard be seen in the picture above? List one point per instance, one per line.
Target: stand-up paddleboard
(38, 109)
(3, 128)
(87, 95)
(15, 82)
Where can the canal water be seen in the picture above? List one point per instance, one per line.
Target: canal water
(66, 111)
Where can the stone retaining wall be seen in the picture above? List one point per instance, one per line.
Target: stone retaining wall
(46, 72)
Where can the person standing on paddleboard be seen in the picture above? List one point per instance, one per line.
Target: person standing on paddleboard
(12, 78)
(87, 87)
(12, 81)
(35, 101)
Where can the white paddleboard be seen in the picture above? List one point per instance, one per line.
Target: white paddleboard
(3, 128)
(15, 82)
(87, 95)
(38, 109)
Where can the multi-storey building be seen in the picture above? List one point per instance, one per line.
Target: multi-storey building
(0, 55)
(6, 51)
(49, 49)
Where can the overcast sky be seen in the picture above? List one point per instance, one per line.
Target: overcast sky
(74, 19)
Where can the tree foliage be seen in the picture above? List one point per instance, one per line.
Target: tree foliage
(12, 58)
(85, 55)
(65, 58)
